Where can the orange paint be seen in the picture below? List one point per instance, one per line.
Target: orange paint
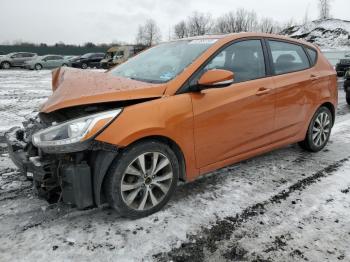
(215, 127)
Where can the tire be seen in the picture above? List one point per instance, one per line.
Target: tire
(319, 130)
(38, 67)
(5, 65)
(64, 65)
(348, 98)
(136, 192)
(84, 66)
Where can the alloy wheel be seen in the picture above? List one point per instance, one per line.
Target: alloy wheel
(6, 65)
(321, 129)
(146, 181)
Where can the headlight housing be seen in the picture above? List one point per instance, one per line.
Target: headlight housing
(74, 131)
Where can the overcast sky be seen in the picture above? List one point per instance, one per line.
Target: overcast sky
(104, 21)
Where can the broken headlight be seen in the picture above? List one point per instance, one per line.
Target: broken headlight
(74, 131)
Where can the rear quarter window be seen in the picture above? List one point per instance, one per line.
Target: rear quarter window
(288, 57)
(313, 55)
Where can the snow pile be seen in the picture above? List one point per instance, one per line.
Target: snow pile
(328, 33)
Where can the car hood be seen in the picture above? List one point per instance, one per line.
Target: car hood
(74, 87)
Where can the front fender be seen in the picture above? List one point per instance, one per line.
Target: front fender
(170, 117)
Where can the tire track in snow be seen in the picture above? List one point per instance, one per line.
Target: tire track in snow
(199, 245)
(35, 227)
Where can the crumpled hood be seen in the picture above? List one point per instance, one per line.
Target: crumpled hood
(74, 87)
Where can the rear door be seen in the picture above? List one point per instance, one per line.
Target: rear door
(27, 57)
(236, 119)
(293, 80)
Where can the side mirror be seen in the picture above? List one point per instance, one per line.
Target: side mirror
(215, 78)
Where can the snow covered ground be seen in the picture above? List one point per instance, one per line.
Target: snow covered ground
(287, 205)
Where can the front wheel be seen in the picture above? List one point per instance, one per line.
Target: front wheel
(319, 130)
(84, 66)
(142, 179)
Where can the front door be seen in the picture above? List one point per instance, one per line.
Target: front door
(233, 120)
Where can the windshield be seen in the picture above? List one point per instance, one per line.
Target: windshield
(163, 62)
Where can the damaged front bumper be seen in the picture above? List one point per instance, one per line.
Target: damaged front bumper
(75, 178)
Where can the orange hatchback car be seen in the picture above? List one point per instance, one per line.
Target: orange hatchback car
(174, 112)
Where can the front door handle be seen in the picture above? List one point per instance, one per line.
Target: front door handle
(263, 91)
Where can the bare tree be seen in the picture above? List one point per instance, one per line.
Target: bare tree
(239, 21)
(290, 23)
(180, 29)
(246, 20)
(325, 8)
(267, 25)
(199, 24)
(148, 34)
(226, 24)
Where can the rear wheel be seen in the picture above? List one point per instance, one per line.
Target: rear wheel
(319, 130)
(142, 179)
(38, 67)
(5, 65)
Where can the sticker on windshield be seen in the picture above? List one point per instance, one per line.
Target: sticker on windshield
(166, 76)
(202, 41)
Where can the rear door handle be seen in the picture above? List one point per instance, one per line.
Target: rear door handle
(314, 77)
(263, 91)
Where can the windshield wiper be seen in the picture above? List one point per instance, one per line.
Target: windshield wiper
(147, 80)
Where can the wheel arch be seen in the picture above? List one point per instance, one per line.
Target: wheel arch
(331, 108)
(174, 146)
(103, 160)
(326, 104)
(38, 64)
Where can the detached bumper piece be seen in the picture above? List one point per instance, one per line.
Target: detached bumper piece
(77, 185)
(55, 176)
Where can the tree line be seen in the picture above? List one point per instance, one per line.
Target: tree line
(240, 20)
(148, 34)
(199, 23)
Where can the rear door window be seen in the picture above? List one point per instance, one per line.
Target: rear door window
(288, 57)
